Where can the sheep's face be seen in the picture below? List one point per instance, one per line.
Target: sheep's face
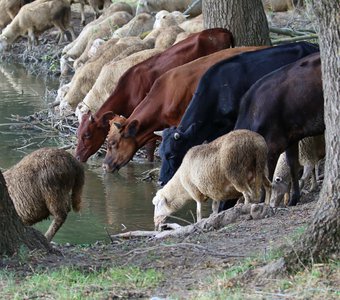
(162, 209)
(280, 192)
(3, 43)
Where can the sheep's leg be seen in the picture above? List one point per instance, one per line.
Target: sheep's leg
(199, 210)
(307, 170)
(31, 38)
(54, 227)
(215, 206)
(268, 190)
(82, 13)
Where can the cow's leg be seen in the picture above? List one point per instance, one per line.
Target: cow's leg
(150, 150)
(292, 154)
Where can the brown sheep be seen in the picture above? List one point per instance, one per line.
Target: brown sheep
(232, 164)
(40, 184)
(36, 17)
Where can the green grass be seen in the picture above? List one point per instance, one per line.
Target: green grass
(69, 283)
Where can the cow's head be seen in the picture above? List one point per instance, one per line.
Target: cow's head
(91, 134)
(175, 144)
(121, 143)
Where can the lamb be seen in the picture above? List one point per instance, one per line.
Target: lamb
(149, 6)
(232, 164)
(165, 32)
(175, 18)
(85, 77)
(193, 25)
(311, 151)
(138, 25)
(36, 17)
(40, 184)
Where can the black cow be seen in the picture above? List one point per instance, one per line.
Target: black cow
(213, 109)
(284, 107)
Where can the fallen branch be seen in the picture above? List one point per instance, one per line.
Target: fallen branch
(294, 39)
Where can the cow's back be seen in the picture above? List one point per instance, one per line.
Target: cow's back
(287, 103)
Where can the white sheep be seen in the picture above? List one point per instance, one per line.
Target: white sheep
(85, 77)
(92, 31)
(109, 76)
(36, 17)
(193, 25)
(311, 151)
(232, 165)
(138, 25)
(176, 16)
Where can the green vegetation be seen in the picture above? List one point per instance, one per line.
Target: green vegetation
(70, 283)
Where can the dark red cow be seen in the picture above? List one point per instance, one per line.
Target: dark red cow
(134, 85)
(284, 107)
(162, 107)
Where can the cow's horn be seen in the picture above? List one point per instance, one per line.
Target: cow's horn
(158, 132)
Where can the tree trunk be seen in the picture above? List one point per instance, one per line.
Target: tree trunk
(322, 239)
(245, 19)
(13, 234)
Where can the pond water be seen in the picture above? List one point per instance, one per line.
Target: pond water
(112, 203)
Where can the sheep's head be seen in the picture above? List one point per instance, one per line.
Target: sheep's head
(280, 192)
(3, 42)
(162, 209)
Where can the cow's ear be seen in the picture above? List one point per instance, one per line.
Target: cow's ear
(105, 118)
(131, 129)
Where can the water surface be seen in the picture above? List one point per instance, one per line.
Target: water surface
(112, 203)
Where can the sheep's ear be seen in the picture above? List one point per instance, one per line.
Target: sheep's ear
(159, 200)
(132, 129)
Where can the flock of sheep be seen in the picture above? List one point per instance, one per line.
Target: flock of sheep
(106, 48)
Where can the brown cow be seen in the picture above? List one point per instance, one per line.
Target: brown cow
(162, 107)
(137, 81)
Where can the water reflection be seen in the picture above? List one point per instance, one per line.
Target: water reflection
(112, 203)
